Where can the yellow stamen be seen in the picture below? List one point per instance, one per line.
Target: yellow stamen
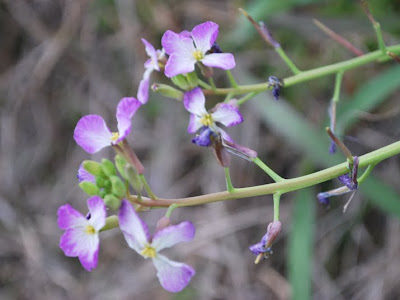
(207, 120)
(115, 136)
(198, 55)
(90, 229)
(149, 251)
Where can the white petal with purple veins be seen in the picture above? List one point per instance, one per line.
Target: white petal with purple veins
(227, 114)
(194, 123)
(92, 134)
(97, 210)
(225, 61)
(126, 108)
(180, 44)
(174, 276)
(135, 231)
(194, 102)
(204, 35)
(172, 235)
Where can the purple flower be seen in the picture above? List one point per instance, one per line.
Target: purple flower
(263, 248)
(81, 237)
(91, 131)
(173, 276)
(187, 48)
(150, 65)
(84, 175)
(226, 114)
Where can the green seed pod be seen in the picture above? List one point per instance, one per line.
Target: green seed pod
(108, 167)
(112, 202)
(89, 188)
(93, 167)
(133, 178)
(118, 187)
(120, 162)
(167, 91)
(181, 81)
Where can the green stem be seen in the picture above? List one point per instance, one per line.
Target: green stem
(147, 187)
(338, 84)
(212, 84)
(229, 185)
(287, 60)
(267, 169)
(311, 74)
(283, 186)
(231, 79)
(204, 85)
(111, 222)
(366, 173)
(277, 197)
(170, 209)
(379, 36)
(247, 97)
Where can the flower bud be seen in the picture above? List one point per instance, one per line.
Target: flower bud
(181, 81)
(112, 201)
(192, 79)
(120, 163)
(133, 178)
(108, 167)
(93, 167)
(167, 91)
(103, 182)
(89, 188)
(263, 248)
(163, 223)
(118, 187)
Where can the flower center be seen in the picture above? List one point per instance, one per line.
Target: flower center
(90, 229)
(207, 120)
(114, 136)
(148, 251)
(198, 55)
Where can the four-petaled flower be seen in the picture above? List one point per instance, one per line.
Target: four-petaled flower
(187, 48)
(173, 276)
(81, 237)
(150, 65)
(91, 131)
(206, 122)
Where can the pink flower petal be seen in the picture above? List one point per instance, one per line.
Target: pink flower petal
(174, 276)
(179, 64)
(152, 53)
(179, 44)
(227, 115)
(172, 235)
(144, 85)
(224, 61)
(89, 259)
(126, 108)
(97, 210)
(135, 231)
(194, 123)
(194, 102)
(204, 35)
(225, 135)
(68, 217)
(84, 175)
(92, 134)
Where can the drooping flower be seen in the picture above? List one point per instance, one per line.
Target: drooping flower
(187, 48)
(263, 248)
(173, 276)
(206, 122)
(81, 236)
(91, 131)
(152, 64)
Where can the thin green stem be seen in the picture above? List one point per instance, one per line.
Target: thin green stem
(170, 209)
(229, 185)
(212, 84)
(277, 197)
(311, 74)
(231, 79)
(111, 222)
(284, 186)
(338, 84)
(228, 97)
(204, 85)
(366, 173)
(267, 169)
(379, 36)
(287, 60)
(147, 187)
(247, 97)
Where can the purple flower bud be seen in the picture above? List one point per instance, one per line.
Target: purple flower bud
(264, 246)
(275, 83)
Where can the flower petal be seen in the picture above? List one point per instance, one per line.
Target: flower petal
(152, 53)
(89, 259)
(126, 108)
(227, 114)
(204, 35)
(179, 44)
(174, 276)
(224, 61)
(203, 139)
(171, 235)
(134, 229)
(225, 135)
(194, 123)
(92, 134)
(97, 210)
(144, 85)
(194, 102)
(68, 217)
(179, 64)
(84, 175)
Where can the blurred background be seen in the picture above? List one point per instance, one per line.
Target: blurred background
(62, 59)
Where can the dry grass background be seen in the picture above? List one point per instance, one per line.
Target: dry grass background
(62, 59)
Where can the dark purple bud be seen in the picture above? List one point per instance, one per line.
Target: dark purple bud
(203, 138)
(346, 180)
(323, 198)
(88, 216)
(275, 83)
(215, 48)
(264, 246)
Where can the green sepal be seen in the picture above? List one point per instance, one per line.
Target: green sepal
(103, 182)
(192, 79)
(181, 81)
(93, 167)
(108, 167)
(133, 178)
(103, 193)
(120, 163)
(89, 188)
(118, 187)
(112, 201)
